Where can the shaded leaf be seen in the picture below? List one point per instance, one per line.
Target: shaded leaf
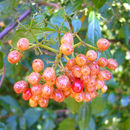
(126, 33)
(2, 126)
(99, 3)
(12, 123)
(111, 83)
(111, 98)
(1, 60)
(76, 23)
(48, 124)
(125, 101)
(22, 123)
(91, 125)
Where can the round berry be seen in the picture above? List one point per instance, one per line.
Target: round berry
(85, 70)
(34, 78)
(23, 44)
(37, 65)
(27, 94)
(103, 44)
(87, 97)
(112, 64)
(69, 75)
(20, 86)
(58, 95)
(99, 84)
(92, 82)
(91, 55)
(77, 86)
(43, 102)
(91, 89)
(85, 79)
(36, 90)
(102, 62)
(14, 57)
(32, 103)
(94, 68)
(67, 38)
(104, 89)
(49, 75)
(67, 92)
(63, 82)
(66, 49)
(79, 97)
(93, 94)
(76, 71)
(36, 97)
(104, 75)
(80, 59)
(47, 90)
(70, 63)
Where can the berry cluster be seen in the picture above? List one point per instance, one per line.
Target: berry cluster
(83, 76)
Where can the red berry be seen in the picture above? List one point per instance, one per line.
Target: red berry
(63, 82)
(91, 55)
(70, 63)
(20, 86)
(77, 86)
(94, 68)
(36, 97)
(91, 89)
(104, 75)
(103, 44)
(66, 49)
(80, 59)
(99, 84)
(85, 79)
(87, 97)
(102, 62)
(23, 44)
(27, 94)
(67, 38)
(79, 97)
(36, 90)
(34, 78)
(69, 75)
(43, 102)
(112, 64)
(67, 92)
(37, 65)
(58, 95)
(93, 94)
(32, 103)
(49, 75)
(14, 57)
(47, 90)
(85, 70)
(104, 89)
(76, 71)
(92, 82)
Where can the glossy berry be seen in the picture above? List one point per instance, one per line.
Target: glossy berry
(79, 97)
(70, 63)
(66, 49)
(77, 86)
(14, 57)
(85, 79)
(91, 89)
(80, 59)
(91, 55)
(23, 44)
(104, 89)
(67, 92)
(85, 70)
(47, 90)
(92, 82)
(34, 78)
(102, 62)
(63, 82)
(76, 71)
(58, 95)
(36, 97)
(94, 68)
(87, 97)
(27, 94)
(99, 84)
(67, 38)
(103, 44)
(69, 75)
(32, 103)
(36, 90)
(104, 75)
(112, 64)
(49, 75)
(37, 65)
(20, 86)
(43, 102)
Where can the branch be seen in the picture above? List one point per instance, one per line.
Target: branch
(50, 4)
(3, 76)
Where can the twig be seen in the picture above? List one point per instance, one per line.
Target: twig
(50, 4)
(3, 76)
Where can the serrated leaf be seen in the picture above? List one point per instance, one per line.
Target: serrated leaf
(1, 60)
(84, 116)
(119, 56)
(32, 115)
(76, 23)
(94, 32)
(67, 123)
(73, 106)
(99, 3)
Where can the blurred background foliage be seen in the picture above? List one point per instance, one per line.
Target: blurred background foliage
(92, 19)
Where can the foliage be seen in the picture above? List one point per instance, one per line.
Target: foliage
(91, 20)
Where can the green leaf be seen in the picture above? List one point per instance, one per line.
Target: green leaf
(107, 53)
(91, 125)
(2, 126)
(9, 102)
(12, 123)
(76, 23)
(126, 33)
(111, 83)
(22, 123)
(119, 56)
(73, 105)
(1, 60)
(32, 115)
(94, 32)
(68, 124)
(84, 116)
(99, 3)
(125, 101)
(48, 124)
